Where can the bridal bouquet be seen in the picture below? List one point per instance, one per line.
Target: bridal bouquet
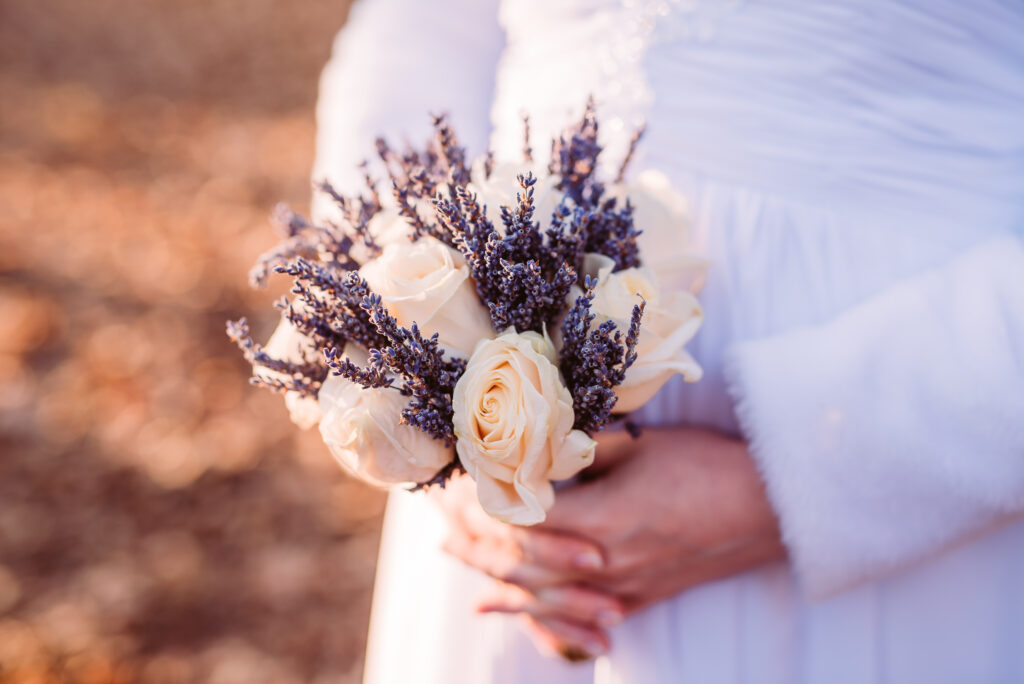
(481, 317)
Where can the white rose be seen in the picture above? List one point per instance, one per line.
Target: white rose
(428, 283)
(513, 420)
(671, 318)
(663, 215)
(288, 344)
(501, 186)
(363, 431)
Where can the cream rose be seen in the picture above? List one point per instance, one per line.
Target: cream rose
(663, 216)
(288, 344)
(513, 420)
(428, 283)
(500, 188)
(671, 318)
(362, 429)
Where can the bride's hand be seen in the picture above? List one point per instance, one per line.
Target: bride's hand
(535, 568)
(685, 507)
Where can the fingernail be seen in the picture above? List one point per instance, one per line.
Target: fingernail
(594, 648)
(609, 618)
(588, 560)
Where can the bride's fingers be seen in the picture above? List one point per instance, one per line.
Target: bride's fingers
(499, 560)
(559, 552)
(579, 604)
(551, 550)
(568, 639)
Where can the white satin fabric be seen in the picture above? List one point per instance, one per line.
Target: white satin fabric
(856, 171)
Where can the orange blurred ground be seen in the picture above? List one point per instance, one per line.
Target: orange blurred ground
(160, 520)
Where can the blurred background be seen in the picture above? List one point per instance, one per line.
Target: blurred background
(160, 519)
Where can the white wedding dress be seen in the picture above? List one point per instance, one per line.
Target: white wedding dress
(856, 174)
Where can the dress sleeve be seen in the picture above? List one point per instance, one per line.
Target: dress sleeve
(895, 430)
(393, 64)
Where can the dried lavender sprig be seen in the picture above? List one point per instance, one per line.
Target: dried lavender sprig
(281, 254)
(371, 185)
(423, 183)
(333, 305)
(357, 213)
(488, 163)
(566, 239)
(427, 376)
(302, 239)
(527, 150)
(388, 158)
(574, 158)
(287, 221)
(422, 373)
(315, 317)
(453, 155)
(420, 227)
(576, 325)
(521, 279)
(633, 334)
(610, 231)
(638, 134)
(304, 386)
(594, 361)
(372, 377)
(402, 168)
(304, 376)
(446, 473)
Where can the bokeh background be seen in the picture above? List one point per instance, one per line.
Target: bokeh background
(161, 520)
